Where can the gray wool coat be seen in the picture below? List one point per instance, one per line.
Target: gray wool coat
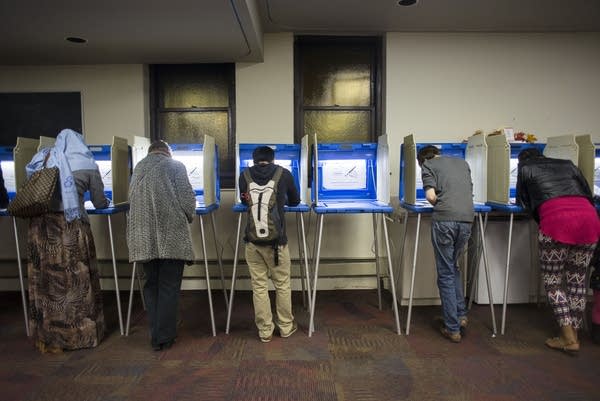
(162, 204)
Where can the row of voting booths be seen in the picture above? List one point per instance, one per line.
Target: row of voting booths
(350, 179)
(505, 243)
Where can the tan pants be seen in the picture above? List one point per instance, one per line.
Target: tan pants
(261, 262)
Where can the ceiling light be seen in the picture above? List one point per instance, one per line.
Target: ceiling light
(407, 2)
(74, 39)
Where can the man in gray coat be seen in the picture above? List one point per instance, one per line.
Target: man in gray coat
(162, 204)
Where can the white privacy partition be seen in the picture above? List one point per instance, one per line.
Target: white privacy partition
(562, 147)
(587, 154)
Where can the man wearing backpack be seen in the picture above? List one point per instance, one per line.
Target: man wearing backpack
(265, 188)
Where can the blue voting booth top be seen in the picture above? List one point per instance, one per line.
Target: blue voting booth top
(446, 149)
(286, 155)
(347, 179)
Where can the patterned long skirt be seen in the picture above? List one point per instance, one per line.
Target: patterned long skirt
(65, 301)
(563, 272)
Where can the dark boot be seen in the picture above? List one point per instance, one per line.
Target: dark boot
(567, 341)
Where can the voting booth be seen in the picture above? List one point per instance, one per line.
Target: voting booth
(115, 165)
(201, 164)
(512, 242)
(13, 161)
(294, 158)
(417, 249)
(351, 178)
(412, 198)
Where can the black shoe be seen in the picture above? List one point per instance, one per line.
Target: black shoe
(596, 333)
(157, 347)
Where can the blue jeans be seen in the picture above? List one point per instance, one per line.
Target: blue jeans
(449, 238)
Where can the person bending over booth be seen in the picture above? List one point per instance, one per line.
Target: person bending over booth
(65, 300)
(448, 187)
(558, 197)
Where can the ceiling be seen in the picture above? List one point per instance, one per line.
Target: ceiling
(206, 31)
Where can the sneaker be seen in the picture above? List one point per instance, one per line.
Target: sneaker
(266, 339)
(454, 337)
(464, 322)
(292, 331)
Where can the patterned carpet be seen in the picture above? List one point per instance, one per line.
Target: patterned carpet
(354, 355)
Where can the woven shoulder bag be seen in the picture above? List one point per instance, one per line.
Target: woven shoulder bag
(34, 197)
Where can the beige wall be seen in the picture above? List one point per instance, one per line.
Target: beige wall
(113, 96)
(265, 94)
(440, 87)
(446, 86)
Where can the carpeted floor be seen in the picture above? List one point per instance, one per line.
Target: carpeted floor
(354, 355)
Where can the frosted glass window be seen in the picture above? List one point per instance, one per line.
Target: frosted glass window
(193, 100)
(190, 127)
(337, 88)
(338, 126)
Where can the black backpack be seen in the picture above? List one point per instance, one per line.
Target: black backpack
(265, 226)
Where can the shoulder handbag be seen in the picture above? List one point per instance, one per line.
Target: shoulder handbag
(34, 197)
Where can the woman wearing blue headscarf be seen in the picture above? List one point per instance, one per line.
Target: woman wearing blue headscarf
(64, 284)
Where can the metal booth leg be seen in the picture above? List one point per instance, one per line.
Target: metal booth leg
(311, 327)
(504, 301)
(114, 261)
(487, 273)
(219, 258)
(412, 276)
(210, 304)
(133, 276)
(21, 281)
(235, 262)
(305, 252)
(377, 267)
(391, 273)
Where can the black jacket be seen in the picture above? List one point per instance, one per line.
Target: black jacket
(3, 193)
(287, 193)
(544, 178)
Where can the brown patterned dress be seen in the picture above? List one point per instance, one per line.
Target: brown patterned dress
(64, 285)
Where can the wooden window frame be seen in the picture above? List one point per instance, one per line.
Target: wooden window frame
(376, 106)
(226, 168)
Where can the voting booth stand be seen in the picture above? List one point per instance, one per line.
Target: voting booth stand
(294, 158)
(201, 163)
(352, 178)
(114, 163)
(13, 162)
(502, 180)
(412, 201)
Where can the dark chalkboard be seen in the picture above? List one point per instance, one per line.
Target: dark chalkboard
(31, 115)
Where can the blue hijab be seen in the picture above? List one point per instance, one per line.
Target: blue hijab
(69, 153)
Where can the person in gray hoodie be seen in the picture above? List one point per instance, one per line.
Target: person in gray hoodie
(162, 205)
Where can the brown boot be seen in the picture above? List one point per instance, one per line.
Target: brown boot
(567, 341)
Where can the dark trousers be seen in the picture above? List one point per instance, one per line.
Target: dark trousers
(161, 291)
